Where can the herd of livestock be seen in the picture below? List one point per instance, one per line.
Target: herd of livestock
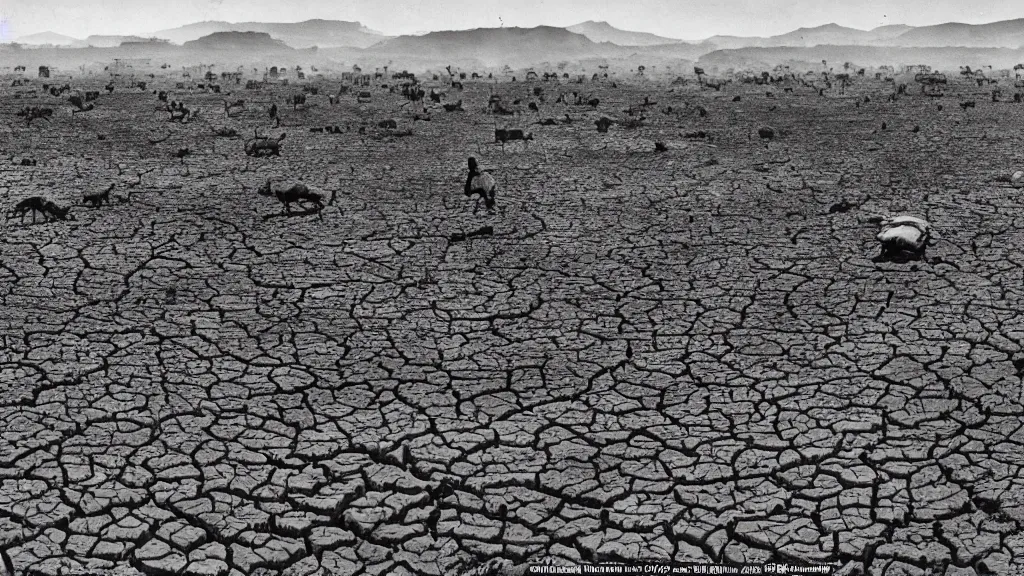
(900, 236)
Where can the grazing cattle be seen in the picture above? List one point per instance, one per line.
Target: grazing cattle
(503, 136)
(263, 146)
(603, 124)
(76, 101)
(35, 113)
(228, 106)
(453, 107)
(388, 124)
(295, 193)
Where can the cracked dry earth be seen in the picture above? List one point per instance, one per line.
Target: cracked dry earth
(679, 356)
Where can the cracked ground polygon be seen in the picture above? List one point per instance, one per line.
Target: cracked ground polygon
(662, 356)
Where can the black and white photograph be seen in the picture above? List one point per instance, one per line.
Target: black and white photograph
(511, 287)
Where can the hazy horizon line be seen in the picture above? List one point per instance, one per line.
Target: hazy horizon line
(422, 33)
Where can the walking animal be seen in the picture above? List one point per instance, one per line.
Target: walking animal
(35, 204)
(97, 199)
(502, 136)
(77, 102)
(482, 184)
(295, 193)
(264, 146)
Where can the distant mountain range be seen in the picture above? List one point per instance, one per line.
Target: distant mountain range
(320, 33)
(547, 46)
(829, 34)
(1005, 34)
(44, 38)
(238, 41)
(605, 32)
(497, 46)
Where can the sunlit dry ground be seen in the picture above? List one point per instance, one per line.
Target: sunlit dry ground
(679, 355)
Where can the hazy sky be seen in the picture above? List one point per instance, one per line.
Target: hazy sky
(685, 19)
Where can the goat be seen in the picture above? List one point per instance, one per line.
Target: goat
(41, 205)
(35, 113)
(178, 112)
(97, 199)
(482, 184)
(502, 136)
(236, 104)
(295, 193)
(263, 146)
(76, 101)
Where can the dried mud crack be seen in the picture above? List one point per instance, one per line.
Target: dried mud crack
(682, 356)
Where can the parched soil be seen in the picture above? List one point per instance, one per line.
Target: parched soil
(680, 355)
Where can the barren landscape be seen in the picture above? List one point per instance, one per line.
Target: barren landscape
(689, 355)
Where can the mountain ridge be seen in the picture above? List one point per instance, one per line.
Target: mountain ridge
(546, 46)
(601, 31)
(305, 34)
